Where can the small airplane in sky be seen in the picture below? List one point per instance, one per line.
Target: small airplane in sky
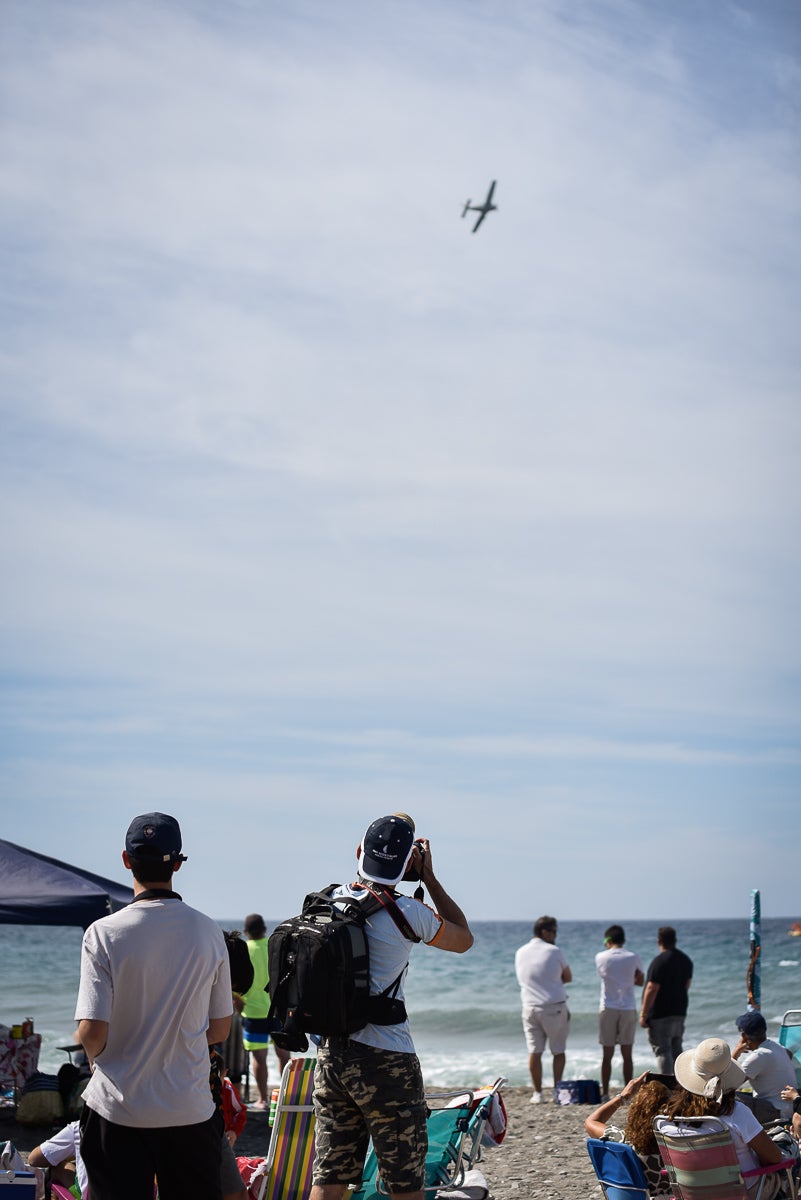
(481, 209)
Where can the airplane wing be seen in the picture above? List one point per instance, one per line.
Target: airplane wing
(489, 193)
(481, 217)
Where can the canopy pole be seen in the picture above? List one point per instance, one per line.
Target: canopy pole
(753, 980)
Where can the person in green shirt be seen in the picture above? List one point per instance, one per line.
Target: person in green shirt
(255, 1007)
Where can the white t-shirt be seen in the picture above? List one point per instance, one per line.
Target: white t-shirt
(769, 1068)
(67, 1144)
(389, 955)
(157, 971)
(617, 968)
(741, 1122)
(539, 966)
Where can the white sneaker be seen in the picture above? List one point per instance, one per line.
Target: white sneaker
(536, 1098)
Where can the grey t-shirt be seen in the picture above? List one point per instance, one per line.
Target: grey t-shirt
(157, 972)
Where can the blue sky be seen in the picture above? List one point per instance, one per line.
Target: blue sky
(317, 506)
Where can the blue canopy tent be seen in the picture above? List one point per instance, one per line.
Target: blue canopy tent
(38, 890)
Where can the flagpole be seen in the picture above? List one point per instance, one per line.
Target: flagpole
(754, 977)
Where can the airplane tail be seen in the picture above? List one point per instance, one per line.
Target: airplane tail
(466, 209)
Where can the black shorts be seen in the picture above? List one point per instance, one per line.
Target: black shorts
(121, 1161)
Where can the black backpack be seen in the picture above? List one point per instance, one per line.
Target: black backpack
(319, 965)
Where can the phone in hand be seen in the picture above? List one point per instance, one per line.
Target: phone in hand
(668, 1081)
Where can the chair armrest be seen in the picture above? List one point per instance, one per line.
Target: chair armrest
(785, 1165)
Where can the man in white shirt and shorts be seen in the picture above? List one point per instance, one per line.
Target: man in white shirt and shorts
(542, 972)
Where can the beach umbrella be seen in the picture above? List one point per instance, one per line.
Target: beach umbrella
(754, 977)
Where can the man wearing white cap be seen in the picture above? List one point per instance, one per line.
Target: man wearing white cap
(369, 1084)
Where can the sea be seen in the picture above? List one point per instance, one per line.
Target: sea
(465, 1009)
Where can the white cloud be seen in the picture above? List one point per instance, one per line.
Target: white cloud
(292, 459)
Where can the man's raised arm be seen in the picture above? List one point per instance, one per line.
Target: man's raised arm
(454, 934)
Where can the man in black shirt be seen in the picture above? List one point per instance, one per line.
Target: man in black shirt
(664, 1001)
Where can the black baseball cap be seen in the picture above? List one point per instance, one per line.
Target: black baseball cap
(386, 849)
(156, 836)
(752, 1024)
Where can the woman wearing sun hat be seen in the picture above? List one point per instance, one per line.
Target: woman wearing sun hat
(708, 1078)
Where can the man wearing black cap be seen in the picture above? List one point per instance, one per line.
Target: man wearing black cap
(369, 1085)
(768, 1068)
(155, 991)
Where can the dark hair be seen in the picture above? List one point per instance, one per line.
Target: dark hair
(544, 925)
(150, 870)
(254, 925)
(687, 1104)
(666, 936)
(239, 961)
(616, 934)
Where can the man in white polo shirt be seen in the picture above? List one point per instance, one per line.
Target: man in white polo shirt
(542, 973)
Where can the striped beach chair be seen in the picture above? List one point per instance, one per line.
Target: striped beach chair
(285, 1174)
(702, 1163)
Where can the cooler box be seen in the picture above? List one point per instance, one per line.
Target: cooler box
(577, 1091)
(21, 1187)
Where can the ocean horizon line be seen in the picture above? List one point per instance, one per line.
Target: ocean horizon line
(742, 917)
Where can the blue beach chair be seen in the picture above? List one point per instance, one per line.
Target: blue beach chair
(455, 1139)
(619, 1170)
(790, 1038)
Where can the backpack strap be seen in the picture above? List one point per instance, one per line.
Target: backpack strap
(388, 902)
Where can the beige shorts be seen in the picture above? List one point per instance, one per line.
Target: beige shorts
(616, 1026)
(547, 1024)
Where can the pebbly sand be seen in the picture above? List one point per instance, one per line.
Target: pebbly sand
(542, 1156)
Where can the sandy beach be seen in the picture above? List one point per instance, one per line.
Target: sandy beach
(542, 1155)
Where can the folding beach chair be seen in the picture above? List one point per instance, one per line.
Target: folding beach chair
(456, 1135)
(702, 1162)
(790, 1038)
(285, 1174)
(619, 1170)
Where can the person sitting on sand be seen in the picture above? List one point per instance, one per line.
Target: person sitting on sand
(708, 1079)
(58, 1152)
(648, 1097)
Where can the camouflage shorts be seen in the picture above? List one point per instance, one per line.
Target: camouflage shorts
(361, 1092)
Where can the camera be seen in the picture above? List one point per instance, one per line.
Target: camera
(412, 874)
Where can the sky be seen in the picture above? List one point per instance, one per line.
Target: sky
(318, 506)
